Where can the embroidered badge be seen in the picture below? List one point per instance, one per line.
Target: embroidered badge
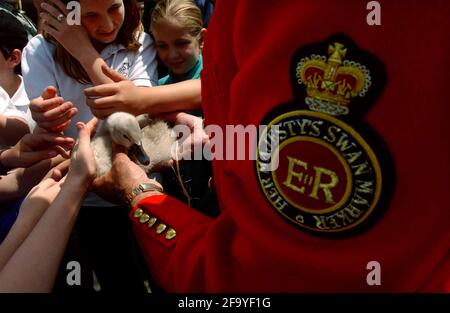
(318, 164)
(124, 69)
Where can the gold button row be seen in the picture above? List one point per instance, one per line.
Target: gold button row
(151, 221)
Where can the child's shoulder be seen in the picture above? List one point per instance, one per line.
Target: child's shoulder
(145, 40)
(7, 107)
(38, 43)
(4, 100)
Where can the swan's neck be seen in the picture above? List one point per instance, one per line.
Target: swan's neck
(102, 128)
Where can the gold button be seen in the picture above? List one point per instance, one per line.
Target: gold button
(152, 222)
(161, 228)
(170, 234)
(144, 218)
(138, 213)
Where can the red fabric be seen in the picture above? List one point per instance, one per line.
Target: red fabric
(250, 247)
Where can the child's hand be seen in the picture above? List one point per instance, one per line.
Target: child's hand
(73, 38)
(33, 148)
(120, 96)
(82, 163)
(42, 195)
(190, 133)
(51, 112)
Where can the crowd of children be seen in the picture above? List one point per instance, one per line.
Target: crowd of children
(58, 65)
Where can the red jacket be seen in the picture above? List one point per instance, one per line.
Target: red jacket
(254, 50)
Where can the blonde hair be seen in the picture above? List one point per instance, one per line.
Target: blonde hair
(128, 36)
(185, 12)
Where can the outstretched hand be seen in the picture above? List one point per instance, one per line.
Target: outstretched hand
(33, 148)
(51, 112)
(82, 162)
(78, 171)
(43, 194)
(190, 133)
(120, 96)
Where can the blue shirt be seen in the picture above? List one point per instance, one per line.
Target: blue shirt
(193, 73)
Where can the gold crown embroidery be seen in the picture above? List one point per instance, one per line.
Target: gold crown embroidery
(331, 84)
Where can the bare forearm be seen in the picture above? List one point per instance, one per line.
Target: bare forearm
(33, 175)
(10, 185)
(29, 215)
(20, 181)
(92, 64)
(34, 266)
(181, 96)
(15, 185)
(12, 129)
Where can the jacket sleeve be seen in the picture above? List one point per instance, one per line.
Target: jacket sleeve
(253, 246)
(171, 236)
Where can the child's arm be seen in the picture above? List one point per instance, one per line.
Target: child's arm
(75, 40)
(124, 96)
(29, 214)
(12, 129)
(49, 111)
(19, 182)
(34, 155)
(31, 257)
(36, 251)
(33, 148)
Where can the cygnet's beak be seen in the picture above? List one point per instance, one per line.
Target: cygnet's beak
(138, 152)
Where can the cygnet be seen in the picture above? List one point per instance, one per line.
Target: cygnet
(149, 141)
(122, 128)
(158, 142)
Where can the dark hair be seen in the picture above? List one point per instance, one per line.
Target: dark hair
(12, 35)
(128, 36)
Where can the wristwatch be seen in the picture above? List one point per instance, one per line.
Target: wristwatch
(142, 187)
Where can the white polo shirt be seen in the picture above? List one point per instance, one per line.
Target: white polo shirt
(40, 70)
(17, 105)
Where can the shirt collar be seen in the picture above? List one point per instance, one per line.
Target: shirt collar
(112, 49)
(20, 97)
(189, 75)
